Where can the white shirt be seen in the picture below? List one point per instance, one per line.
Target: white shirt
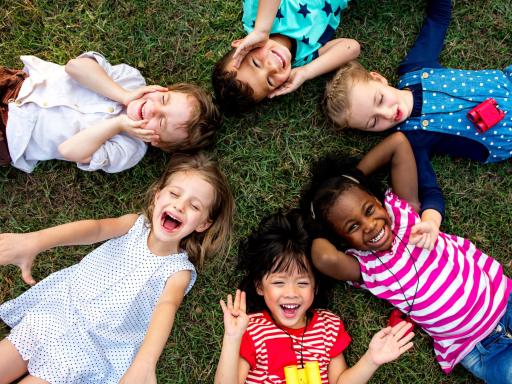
(51, 107)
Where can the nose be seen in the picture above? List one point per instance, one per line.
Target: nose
(387, 112)
(291, 290)
(369, 225)
(179, 204)
(153, 108)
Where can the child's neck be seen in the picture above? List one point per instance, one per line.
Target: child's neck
(161, 248)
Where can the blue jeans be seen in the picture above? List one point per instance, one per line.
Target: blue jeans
(491, 359)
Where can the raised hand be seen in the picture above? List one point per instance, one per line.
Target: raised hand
(20, 249)
(135, 128)
(235, 316)
(424, 234)
(139, 92)
(389, 343)
(243, 46)
(297, 77)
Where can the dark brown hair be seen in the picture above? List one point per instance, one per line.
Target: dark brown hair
(232, 95)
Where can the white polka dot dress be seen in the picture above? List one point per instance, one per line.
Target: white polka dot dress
(85, 323)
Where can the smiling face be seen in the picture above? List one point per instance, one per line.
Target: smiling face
(375, 106)
(361, 220)
(167, 113)
(180, 208)
(288, 295)
(264, 69)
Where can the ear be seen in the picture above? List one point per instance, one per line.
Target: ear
(236, 43)
(378, 77)
(259, 291)
(203, 227)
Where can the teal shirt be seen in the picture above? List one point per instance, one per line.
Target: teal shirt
(309, 24)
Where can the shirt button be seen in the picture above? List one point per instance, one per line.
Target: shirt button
(11, 100)
(111, 109)
(424, 75)
(424, 123)
(18, 102)
(45, 104)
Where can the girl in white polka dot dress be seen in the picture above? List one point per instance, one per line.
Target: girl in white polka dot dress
(107, 318)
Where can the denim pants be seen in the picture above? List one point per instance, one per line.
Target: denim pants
(491, 359)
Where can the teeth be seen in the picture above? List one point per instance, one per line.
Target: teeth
(279, 58)
(290, 306)
(379, 236)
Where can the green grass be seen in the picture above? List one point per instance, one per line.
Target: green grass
(265, 154)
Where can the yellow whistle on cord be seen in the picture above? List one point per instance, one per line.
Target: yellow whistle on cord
(310, 374)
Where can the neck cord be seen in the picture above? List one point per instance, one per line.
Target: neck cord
(291, 339)
(400, 285)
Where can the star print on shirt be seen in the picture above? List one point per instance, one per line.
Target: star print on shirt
(279, 14)
(327, 9)
(303, 10)
(337, 11)
(305, 40)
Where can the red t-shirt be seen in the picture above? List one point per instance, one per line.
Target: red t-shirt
(269, 348)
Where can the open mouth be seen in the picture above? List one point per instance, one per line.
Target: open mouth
(280, 58)
(290, 310)
(379, 236)
(140, 114)
(170, 223)
(398, 115)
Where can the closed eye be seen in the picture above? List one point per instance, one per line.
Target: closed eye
(381, 98)
(255, 63)
(269, 81)
(370, 210)
(352, 228)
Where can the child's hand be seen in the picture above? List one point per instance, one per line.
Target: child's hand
(139, 92)
(139, 373)
(424, 235)
(235, 318)
(243, 46)
(389, 343)
(20, 249)
(297, 77)
(135, 128)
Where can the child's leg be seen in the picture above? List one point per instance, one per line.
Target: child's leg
(12, 366)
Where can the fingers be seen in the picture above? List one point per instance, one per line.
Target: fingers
(239, 56)
(26, 275)
(236, 304)
(243, 306)
(400, 329)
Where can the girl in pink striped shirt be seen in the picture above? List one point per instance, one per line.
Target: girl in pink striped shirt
(441, 282)
(285, 332)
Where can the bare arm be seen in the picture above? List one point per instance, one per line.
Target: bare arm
(334, 263)
(233, 369)
(331, 56)
(91, 75)
(21, 249)
(386, 345)
(396, 150)
(143, 368)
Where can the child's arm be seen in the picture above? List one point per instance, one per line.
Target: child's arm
(267, 10)
(334, 263)
(91, 75)
(385, 346)
(143, 368)
(396, 150)
(330, 57)
(81, 147)
(424, 234)
(232, 369)
(21, 248)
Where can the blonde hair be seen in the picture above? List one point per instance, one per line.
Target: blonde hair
(216, 239)
(337, 93)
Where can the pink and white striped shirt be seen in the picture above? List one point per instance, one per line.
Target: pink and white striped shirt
(461, 293)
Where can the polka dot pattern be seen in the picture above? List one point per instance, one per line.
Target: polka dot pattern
(449, 94)
(85, 323)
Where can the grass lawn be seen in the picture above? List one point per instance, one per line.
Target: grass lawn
(265, 154)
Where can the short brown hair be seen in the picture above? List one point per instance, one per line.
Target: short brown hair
(216, 239)
(336, 97)
(232, 95)
(202, 126)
